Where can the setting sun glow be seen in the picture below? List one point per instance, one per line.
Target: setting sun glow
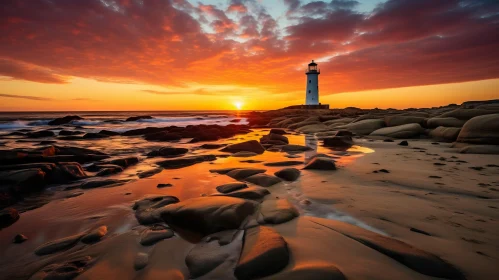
(238, 105)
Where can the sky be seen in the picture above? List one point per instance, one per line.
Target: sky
(79, 55)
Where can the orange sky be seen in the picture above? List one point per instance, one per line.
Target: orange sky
(185, 55)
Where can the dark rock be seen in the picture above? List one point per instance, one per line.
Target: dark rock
(25, 180)
(264, 253)
(295, 148)
(288, 174)
(338, 141)
(149, 173)
(64, 120)
(274, 139)
(185, 161)
(168, 152)
(70, 132)
(109, 169)
(230, 187)
(144, 208)
(163, 136)
(141, 261)
(207, 215)
(152, 236)
(321, 163)
(101, 183)
(109, 133)
(263, 180)
(62, 271)
(253, 193)
(212, 146)
(19, 238)
(91, 135)
(481, 130)
(132, 119)
(94, 235)
(277, 211)
(40, 134)
(143, 131)
(311, 270)
(159, 186)
(403, 143)
(243, 173)
(248, 146)
(124, 162)
(277, 131)
(58, 245)
(224, 170)
(284, 163)
(8, 217)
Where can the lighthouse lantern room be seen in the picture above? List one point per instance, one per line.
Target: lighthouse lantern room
(312, 94)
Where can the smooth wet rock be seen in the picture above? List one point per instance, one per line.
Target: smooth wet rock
(467, 114)
(242, 173)
(109, 133)
(69, 269)
(447, 134)
(248, 146)
(109, 170)
(152, 236)
(159, 186)
(58, 245)
(185, 161)
(288, 174)
(19, 238)
(364, 127)
(40, 134)
(403, 143)
(244, 154)
(94, 235)
(124, 162)
(401, 131)
(101, 183)
(136, 118)
(338, 141)
(263, 180)
(401, 120)
(253, 193)
(274, 137)
(8, 217)
(445, 122)
(92, 135)
(224, 170)
(209, 214)
(149, 173)
(480, 149)
(230, 187)
(277, 131)
(483, 130)
(64, 120)
(277, 211)
(209, 259)
(70, 132)
(284, 163)
(25, 180)
(168, 152)
(141, 261)
(321, 163)
(144, 208)
(264, 253)
(211, 146)
(162, 136)
(295, 148)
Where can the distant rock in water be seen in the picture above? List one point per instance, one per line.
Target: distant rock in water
(136, 118)
(64, 120)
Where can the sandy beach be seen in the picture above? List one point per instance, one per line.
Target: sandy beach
(266, 203)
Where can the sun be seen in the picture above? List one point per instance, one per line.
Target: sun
(238, 105)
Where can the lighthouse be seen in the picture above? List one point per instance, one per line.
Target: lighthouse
(312, 94)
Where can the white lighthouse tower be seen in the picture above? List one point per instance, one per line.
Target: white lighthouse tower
(312, 94)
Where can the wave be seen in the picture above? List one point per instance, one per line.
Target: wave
(22, 124)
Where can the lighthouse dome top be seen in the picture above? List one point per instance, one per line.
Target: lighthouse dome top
(312, 63)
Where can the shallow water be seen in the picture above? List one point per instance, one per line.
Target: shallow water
(62, 216)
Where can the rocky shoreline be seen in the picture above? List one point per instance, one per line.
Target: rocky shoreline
(295, 194)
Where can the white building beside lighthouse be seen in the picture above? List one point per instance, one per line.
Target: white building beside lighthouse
(312, 94)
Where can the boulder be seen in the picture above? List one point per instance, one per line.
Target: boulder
(243, 173)
(8, 217)
(230, 187)
(288, 174)
(446, 122)
(124, 162)
(70, 132)
(481, 130)
(401, 131)
(253, 193)
(295, 148)
(207, 215)
(136, 118)
(155, 234)
(313, 128)
(364, 127)
(168, 152)
(212, 146)
(185, 161)
(40, 134)
(64, 120)
(275, 138)
(264, 253)
(466, 114)
(163, 136)
(94, 235)
(480, 149)
(263, 180)
(321, 163)
(144, 208)
(141, 260)
(447, 134)
(401, 120)
(109, 169)
(277, 131)
(338, 141)
(109, 133)
(25, 180)
(277, 211)
(248, 146)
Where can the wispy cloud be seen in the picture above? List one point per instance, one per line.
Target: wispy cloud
(29, 97)
(84, 99)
